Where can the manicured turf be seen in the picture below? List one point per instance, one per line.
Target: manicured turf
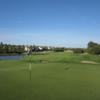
(55, 76)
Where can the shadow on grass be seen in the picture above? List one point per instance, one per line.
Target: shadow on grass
(66, 68)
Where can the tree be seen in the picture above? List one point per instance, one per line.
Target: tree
(93, 48)
(92, 44)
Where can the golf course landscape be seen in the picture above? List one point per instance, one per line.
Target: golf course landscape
(54, 76)
(49, 49)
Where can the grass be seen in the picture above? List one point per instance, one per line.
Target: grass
(60, 77)
(63, 58)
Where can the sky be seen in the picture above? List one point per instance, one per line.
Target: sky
(68, 23)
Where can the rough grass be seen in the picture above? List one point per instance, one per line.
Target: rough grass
(63, 77)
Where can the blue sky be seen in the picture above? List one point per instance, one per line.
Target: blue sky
(69, 23)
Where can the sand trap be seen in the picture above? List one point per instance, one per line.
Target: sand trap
(89, 62)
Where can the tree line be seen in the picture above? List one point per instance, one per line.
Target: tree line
(92, 48)
(11, 49)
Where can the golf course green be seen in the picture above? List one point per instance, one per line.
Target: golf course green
(54, 76)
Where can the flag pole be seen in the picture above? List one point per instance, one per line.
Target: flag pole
(30, 68)
(30, 63)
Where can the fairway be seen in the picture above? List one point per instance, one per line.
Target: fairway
(54, 76)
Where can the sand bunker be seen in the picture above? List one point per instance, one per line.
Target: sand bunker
(89, 62)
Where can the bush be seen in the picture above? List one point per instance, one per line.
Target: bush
(78, 50)
(59, 49)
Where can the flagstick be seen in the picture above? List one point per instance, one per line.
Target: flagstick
(30, 62)
(30, 68)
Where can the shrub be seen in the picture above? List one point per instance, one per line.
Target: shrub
(78, 50)
(59, 49)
